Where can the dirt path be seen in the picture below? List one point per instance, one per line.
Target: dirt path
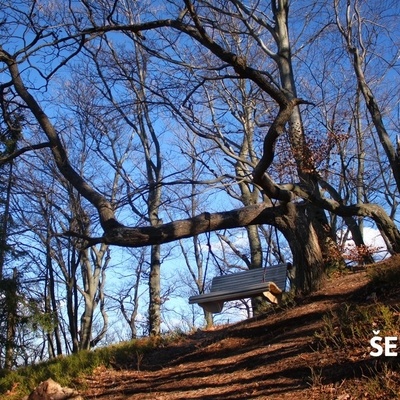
(270, 357)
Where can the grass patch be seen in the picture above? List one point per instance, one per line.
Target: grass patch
(347, 332)
(351, 325)
(67, 370)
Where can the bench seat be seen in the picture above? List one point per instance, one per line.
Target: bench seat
(270, 282)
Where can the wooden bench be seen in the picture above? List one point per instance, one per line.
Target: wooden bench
(269, 282)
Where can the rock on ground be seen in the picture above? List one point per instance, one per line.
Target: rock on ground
(51, 390)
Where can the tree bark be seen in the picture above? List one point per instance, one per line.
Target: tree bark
(52, 306)
(155, 291)
(307, 255)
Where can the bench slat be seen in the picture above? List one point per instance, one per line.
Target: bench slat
(240, 285)
(276, 273)
(229, 295)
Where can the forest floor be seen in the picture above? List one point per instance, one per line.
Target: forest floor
(275, 356)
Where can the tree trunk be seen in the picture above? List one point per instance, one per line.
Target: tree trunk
(5, 220)
(12, 308)
(256, 261)
(155, 292)
(72, 302)
(93, 275)
(307, 254)
(51, 307)
(320, 240)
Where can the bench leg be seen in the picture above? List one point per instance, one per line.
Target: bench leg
(274, 294)
(272, 298)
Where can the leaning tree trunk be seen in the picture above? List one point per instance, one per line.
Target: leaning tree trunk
(352, 34)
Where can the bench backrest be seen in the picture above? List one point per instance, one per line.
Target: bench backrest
(250, 278)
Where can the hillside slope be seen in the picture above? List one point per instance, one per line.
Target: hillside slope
(300, 352)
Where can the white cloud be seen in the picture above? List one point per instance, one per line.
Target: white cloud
(372, 239)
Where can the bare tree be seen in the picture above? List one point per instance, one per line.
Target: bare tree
(358, 41)
(136, 112)
(10, 133)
